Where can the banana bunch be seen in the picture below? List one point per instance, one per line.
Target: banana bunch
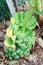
(20, 35)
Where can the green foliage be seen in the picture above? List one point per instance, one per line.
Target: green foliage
(23, 35)
(4, 11)
(37, 6)
(20, 2)
(20, 35)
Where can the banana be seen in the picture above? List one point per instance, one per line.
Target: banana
(12, 20)
(13, 38)
(8, 45)
(9, 33)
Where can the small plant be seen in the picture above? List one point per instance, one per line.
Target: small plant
(20, 34)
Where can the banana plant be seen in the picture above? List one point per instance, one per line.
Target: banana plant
(20, 35)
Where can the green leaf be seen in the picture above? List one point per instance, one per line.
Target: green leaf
(33, 3)
(38, 12)
(39, 5)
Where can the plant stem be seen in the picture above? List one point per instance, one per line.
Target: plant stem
(39, 6)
